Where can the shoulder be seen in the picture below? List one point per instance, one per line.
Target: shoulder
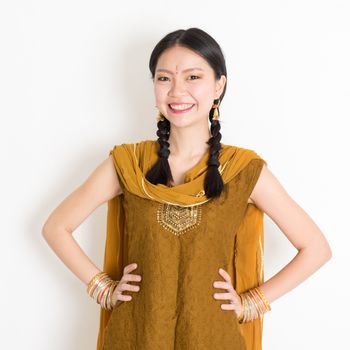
(243, 154)
(251, 163)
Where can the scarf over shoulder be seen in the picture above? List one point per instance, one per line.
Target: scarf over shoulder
(132, 162)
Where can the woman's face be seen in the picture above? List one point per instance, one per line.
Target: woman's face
(184, 77)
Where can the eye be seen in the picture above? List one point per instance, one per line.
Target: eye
(164, 78)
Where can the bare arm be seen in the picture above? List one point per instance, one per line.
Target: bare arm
(99, 187)
(313, 248)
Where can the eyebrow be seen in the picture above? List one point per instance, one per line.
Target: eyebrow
(185, 70)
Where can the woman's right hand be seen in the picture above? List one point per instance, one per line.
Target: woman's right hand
(123, 284)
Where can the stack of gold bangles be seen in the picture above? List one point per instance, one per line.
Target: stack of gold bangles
(254, 305)
(101, 288)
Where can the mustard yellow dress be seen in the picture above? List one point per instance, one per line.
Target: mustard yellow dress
(179, 246)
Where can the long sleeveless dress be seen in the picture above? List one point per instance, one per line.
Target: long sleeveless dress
(179, 251)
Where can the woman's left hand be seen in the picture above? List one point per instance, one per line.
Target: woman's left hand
(235, 300)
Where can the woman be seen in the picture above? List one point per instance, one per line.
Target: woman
(183, 265)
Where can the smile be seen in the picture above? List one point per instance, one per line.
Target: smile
(181, 108)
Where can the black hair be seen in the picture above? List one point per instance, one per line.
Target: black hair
(203, 44)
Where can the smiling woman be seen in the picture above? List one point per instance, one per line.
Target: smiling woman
(195, 182)
(186, 212)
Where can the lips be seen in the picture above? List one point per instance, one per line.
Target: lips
(181, 110)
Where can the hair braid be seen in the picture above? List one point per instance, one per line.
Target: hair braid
(213, 183)
(160, 172)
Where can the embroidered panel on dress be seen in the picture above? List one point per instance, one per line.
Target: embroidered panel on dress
(178, 219)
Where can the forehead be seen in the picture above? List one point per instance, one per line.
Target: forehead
(178, 59)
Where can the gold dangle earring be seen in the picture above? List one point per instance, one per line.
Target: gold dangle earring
(216, 112)
(160, 116)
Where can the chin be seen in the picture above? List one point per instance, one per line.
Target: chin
(186, 122)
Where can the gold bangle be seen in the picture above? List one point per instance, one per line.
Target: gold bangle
(263, 297)
(112, 289)
(240, 316)
(254, 305)
(92, 281)
(101, 288)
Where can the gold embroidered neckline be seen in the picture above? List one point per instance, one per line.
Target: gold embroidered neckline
(178, 219)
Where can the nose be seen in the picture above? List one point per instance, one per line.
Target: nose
(177, 88)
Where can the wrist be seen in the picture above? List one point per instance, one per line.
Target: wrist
(254, 305)
(101, 288)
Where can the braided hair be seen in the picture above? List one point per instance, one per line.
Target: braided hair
(160, 172)
(202, 43)
(213, 184)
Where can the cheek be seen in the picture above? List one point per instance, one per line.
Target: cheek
(203, 95)
(202, 90)
(160, 93)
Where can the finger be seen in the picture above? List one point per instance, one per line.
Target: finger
(222, 284)
(124, 297)
(132, 277)
(223, 296)
(129, 268)
(228, 307)
(225, 275)
(130, 287)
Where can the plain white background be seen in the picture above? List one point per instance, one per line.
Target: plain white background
(75, 82)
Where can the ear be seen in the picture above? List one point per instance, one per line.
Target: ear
(220, 84)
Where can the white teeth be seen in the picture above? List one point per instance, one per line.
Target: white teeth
(179, 107)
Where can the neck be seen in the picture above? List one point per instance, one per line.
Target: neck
(189, 142)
